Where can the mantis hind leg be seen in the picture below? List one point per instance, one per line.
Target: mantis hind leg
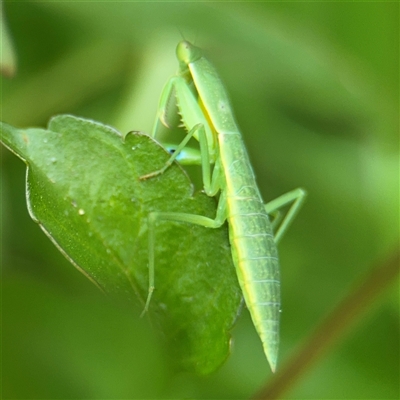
(177, 217)
(296, 199)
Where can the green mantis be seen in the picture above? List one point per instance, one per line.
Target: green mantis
(206, 114)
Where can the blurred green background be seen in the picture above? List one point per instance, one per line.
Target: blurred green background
(315, 87)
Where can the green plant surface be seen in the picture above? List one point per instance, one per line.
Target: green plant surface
(315, 91)
(83, 189)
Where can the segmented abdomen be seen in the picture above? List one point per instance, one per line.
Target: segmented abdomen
(253, 247)
(256, 260)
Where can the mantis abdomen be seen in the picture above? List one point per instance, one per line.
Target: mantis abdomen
(253, 247)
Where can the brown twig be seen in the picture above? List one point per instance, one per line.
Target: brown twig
(345, 315)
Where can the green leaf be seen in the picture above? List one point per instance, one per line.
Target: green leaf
(83, 189)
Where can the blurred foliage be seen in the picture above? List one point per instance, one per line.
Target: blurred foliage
(315, 88)
(8, 61)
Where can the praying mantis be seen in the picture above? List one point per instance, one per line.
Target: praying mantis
(206, 114)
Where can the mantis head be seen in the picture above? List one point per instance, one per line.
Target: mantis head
(187, 52)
